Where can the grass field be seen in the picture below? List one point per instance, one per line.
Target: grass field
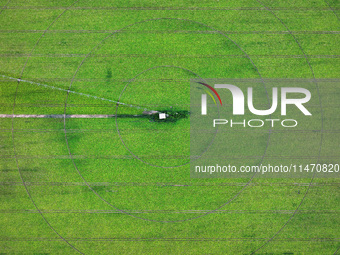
(71, 186)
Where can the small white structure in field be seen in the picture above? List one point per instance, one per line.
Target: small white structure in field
(162, 116)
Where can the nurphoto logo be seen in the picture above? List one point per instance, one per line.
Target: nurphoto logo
(238, 106)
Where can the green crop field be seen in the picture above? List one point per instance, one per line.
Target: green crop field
(122, 185)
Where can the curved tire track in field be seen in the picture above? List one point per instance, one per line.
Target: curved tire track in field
(337, 16)
(13, 140)
(69, 150)
(321, 134)
(5, 6)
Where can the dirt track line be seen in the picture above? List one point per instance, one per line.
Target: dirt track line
(57, 116)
